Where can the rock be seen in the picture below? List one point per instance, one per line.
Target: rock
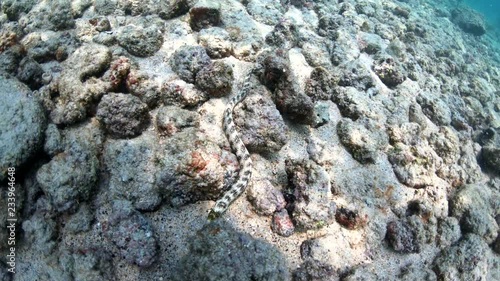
(132, 234)
(204, 14)
(11, 57)
(187, 61)
(470, 197)
(275, 68)
(490, 151)
(71, 176)
(350, 219)
(249, 258)
(370, 43)
(40, 229)
(171, 119)
(356, 74)
(57, 46)
(412, 273)
(53, 141)
(14, 8)
(469, 20)
(467, 260)
(22, 124)
(315, 270)
(355, 104)
(61, 15)
(265, 11)
(216, 79)
(117, 74)
(243, 30)
(180, 93)
(132, 168)
(30, 73)
(140, 41)
(216, 42)
(265, 198)
(448, 232)
(81, 221)
(293, 103)
(282, 224)
(402, 237)
(389, 72)
(193, 168)
(173, 8)
(417, 228)
(284, 34)
(262, 127)
(77, 89)
(477, 221)
(362, 138)
(320, 84)
(414, 165)
(310, 188)
(143, 87)
(92, 266)
(446, 144)
(435, 109)
(123, 115)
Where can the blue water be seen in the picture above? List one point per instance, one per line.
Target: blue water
(489, 8)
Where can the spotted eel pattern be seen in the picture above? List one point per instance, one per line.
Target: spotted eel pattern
(241, 152)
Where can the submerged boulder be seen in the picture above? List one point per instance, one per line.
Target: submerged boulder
(469, 21)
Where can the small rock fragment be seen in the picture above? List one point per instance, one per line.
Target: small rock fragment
(180, 93)
(132, 169)
(448, 232)
(282, 224)
(265, 198)
(216, 41)
(187, 61)
(389, 72)
(132, 234)
(216, 79)
(402, 237)
(312, 207)
(204, 14)
(30, 73)
(123, 115)
(363, 138)
(350, 219)
(140, 41)
(260, 123)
